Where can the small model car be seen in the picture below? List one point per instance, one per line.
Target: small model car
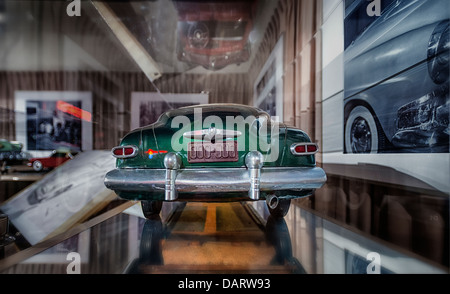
(397, 78)
(215, 152)
(56, 159)
(11, 152)
(214, 35)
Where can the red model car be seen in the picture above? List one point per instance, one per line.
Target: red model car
(57, 158)
(213, 35)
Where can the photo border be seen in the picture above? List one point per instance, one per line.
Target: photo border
(20, 101)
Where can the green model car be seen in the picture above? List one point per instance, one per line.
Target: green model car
(215, 152)
(11, 152)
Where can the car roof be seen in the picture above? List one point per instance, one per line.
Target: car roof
(244, 110)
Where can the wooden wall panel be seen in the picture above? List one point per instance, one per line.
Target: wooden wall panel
(111, 93)
(299, 21)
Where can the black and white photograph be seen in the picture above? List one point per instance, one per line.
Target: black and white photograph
(269, 103)
(400, 103)
(46, 205)
(52, 120)
(268, 88)
(50, 128)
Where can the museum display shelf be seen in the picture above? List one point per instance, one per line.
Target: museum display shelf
(216, 238)
(360, 221)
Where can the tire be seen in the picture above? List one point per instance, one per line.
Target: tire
(151, 208)
(361, 132)
(280, 209)
(37, 165)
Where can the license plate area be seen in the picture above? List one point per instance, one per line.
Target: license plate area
(200, 152)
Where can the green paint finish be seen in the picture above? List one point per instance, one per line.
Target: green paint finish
(166, 135)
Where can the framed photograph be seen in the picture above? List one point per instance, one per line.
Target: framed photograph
(398, 104)
(50, 120)
(268, 88)
(146, 107)
(64, 198)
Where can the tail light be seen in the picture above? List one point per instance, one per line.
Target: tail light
(124, 151)
(304, 148)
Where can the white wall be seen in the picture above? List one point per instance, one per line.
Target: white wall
(332, 76)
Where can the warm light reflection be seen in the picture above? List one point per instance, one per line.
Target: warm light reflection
(73, 110)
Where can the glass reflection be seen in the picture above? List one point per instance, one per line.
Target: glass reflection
(244, 239)
(413, 219)
(150, 249)
(130, 244)
(155, 244)
(277, 233)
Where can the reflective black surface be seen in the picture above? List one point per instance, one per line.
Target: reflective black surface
(348, 226)
(186, 238)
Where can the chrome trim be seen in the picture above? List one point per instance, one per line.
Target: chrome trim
(215, 180)
(254, 161)
(304, 144)
(211, 133)
(272, 201)
(172, 162)
(135, 151)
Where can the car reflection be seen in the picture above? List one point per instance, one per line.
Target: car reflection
(276, 233)
(214, 35)
(177, 241)
(150, 250)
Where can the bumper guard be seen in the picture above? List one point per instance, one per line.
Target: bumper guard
(252, 179)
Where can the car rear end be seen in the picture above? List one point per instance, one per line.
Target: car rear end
(219, 153)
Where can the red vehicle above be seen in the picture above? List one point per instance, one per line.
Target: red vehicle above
(213, 35)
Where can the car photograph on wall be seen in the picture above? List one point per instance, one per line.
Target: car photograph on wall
(215, 152)
(396, 77)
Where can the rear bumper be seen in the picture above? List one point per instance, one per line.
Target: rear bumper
(213, 180)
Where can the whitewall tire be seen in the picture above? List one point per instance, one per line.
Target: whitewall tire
(361, 132)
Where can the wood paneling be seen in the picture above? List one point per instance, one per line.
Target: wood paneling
(299, 22)
(111, 93)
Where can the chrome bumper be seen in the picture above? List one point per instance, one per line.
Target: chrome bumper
(215, 180)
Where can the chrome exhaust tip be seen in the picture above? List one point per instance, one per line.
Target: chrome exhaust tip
(272, 201)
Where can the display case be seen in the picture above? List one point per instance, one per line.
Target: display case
(354, 91)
